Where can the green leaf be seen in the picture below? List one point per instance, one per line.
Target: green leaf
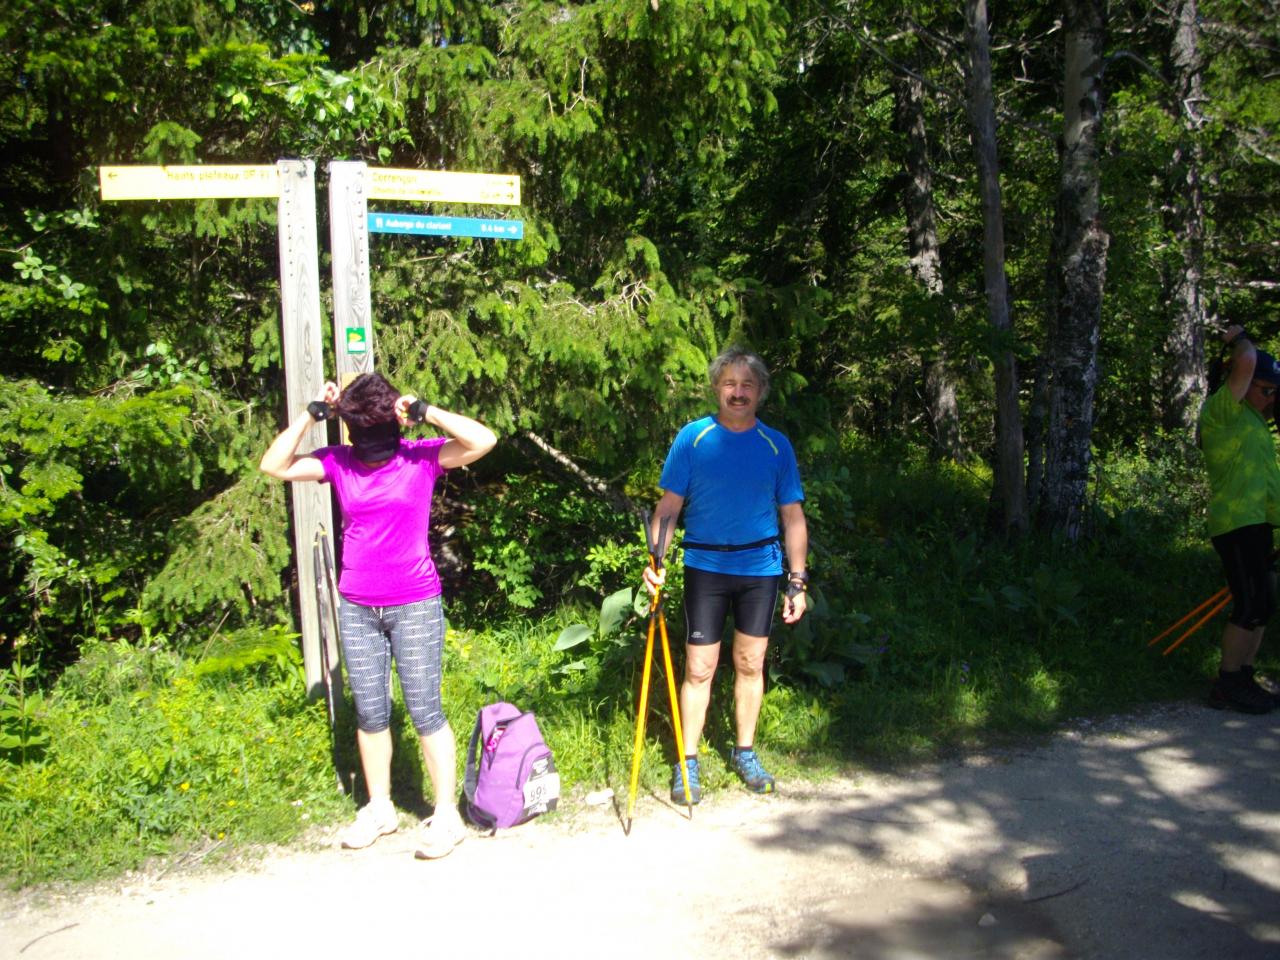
(572, 635)
(614, 611)
(825, 672)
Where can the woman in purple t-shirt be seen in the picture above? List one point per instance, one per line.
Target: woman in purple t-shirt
(390, 590)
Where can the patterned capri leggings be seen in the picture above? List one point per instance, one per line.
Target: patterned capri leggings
(412, 634)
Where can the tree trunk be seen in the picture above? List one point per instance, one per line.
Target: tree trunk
(926, 264)
(1009, 495)
(1077, 272)
(1185, 385)
(1037, 411)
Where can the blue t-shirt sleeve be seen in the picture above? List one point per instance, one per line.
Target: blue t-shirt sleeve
(677, 469)
(789, 489)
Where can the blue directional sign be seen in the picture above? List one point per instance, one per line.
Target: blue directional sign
(446, 226)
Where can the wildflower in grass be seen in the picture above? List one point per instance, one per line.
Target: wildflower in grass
(184, 786)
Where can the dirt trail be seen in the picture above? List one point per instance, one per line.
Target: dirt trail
(1155, 836)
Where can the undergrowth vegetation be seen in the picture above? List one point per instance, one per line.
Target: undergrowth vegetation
(925, 634)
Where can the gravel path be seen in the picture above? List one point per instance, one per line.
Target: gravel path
(1150, 836)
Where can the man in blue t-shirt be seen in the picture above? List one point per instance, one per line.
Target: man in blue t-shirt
(736, 479)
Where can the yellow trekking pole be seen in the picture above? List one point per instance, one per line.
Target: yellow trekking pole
(675, 712)
(657, 618)
(640, 718)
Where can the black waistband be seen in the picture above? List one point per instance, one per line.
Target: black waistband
(729, 547)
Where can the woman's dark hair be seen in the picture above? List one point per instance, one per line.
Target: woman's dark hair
(367, 401)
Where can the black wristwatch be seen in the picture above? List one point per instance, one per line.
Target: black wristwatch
(418, 411)
(319, 410)
(797, 583)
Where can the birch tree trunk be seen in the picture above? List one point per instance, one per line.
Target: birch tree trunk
(1037, 411)
(1009, 495)
(1185, 385)
(1077, 272)
(925, 255)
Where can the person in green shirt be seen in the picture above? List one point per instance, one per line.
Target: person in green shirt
(1244, 506)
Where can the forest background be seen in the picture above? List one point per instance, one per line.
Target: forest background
(985, 261)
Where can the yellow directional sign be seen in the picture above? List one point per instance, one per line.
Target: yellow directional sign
(386, 183)
(188, 183)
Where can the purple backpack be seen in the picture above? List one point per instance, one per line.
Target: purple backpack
(510, 775)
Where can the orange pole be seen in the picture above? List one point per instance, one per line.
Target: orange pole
(640, 716)
(1174, 626)
(1199, 623)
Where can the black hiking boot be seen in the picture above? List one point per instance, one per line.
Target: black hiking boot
(1238, 691)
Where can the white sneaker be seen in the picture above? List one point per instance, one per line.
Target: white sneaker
(375, 819)
(437, 840)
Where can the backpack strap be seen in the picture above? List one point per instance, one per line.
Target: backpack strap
(472, 775)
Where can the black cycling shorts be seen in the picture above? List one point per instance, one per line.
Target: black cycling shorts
(708, 598)
(1247, 561)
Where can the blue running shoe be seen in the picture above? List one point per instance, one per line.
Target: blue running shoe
(752, 772)
(677, 782)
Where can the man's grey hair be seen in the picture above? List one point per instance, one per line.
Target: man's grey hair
(734, 355)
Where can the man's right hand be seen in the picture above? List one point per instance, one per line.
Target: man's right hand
(654, 579)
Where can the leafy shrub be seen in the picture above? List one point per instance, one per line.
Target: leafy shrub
(530, 536)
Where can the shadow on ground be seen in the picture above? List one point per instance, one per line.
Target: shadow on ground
(1152, 838)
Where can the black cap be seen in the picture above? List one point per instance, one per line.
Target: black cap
(1266, 369)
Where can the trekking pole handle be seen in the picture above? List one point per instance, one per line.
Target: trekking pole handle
(655, 550)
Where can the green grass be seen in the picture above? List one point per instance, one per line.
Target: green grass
(161, 760)
(927, 634)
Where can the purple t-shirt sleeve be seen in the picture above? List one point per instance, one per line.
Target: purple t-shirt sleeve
(386, 519)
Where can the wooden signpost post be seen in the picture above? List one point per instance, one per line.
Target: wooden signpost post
(293, 183)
